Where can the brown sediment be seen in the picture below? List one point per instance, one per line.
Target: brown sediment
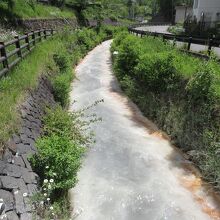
(161, 135)
(196, 184)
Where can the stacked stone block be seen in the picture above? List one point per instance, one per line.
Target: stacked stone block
(17, 179)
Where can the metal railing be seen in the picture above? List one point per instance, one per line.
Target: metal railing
(13, 51)
(210, 42)
(150, 24)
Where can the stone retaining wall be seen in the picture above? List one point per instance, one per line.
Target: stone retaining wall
(35, 24)
(17, 180)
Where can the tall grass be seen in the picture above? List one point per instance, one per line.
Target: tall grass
(24, 9)
(19, 81)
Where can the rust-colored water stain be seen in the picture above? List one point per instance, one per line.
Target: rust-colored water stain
(161, 135)
(196, 184)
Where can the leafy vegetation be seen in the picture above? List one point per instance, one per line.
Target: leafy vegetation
(23, 77)
(9, 10)
(60, 148)
(57, 55)
(64, 140)
(179, 92)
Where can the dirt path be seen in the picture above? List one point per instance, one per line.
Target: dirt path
(129, 174)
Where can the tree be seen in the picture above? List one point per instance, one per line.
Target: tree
(10, 4)
(58, 3)
(79, 6)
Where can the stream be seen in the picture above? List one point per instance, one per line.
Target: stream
(132, 172)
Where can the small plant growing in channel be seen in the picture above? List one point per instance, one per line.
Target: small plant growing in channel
(41, 201)
(60, 150)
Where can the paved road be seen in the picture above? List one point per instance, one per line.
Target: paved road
(163, 29)
(158, 28)
(129, 174)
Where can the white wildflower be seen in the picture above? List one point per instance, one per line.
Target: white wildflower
(46, 181)
(49, 186)
(16, 192)
(45, 194)
(51, 180)
(25, 194)
(48, 199)
(47, 167)
(3, 216)
(115, 53)
(51, 207)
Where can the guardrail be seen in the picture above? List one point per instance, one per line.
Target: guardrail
(13, 51)
(211, 42)
(150, 24)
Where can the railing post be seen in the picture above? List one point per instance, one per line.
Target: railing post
(18, 46)
(27, 41)
(189, 43)
(163, 38)
(39, 34)
(51, 31)
(45, 34)
(33, 38)
(174, 41)
(210, 46)
(4, 54)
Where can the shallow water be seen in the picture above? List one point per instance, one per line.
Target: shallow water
(129, 174)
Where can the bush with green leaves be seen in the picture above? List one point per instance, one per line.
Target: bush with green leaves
(61, 87)
(157, 72)
(75, 45)
(128, 55)
(200, 86)
(61, 148)
(61, 82)
(179, 92)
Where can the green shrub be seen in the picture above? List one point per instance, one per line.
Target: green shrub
(61, 148)
(61, 82)
(63, 157)
(62, 61)
(128, 56)
(61, 123)
(87, 38)
(61, 87)
(200, 86)
(157, 72)
(119, 38)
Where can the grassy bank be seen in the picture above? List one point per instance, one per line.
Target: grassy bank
(25, 9)
(65, 49)
(23, 77)
(177, 91)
